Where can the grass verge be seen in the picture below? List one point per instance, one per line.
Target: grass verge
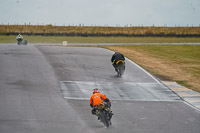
(180, 63)
(76, 39)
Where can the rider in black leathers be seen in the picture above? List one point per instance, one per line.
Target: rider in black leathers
(19, 38)
(115, 57)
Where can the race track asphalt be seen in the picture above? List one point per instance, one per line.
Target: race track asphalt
(46, 89)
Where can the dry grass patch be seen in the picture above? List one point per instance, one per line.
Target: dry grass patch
(98, 30)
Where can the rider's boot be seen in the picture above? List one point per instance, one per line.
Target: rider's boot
(111, 113)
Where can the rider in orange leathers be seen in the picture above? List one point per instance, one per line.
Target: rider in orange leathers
(96, 99)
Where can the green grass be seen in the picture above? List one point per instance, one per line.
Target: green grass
(182, 55)
(176, 53)
(76, 39)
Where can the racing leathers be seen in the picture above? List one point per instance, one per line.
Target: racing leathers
(96, 99)
(116, 57)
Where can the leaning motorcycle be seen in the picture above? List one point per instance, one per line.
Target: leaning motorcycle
(104, 113)
(20, 41)
(120, 67)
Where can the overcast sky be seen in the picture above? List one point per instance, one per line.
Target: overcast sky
(101, 12)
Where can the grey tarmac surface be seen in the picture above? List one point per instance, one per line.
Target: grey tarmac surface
(46, 89)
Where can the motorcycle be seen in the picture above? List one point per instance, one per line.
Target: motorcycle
(120, 67)
(20, 41)
(104, 113)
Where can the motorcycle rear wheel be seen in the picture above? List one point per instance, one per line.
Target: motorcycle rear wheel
(103, 118)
